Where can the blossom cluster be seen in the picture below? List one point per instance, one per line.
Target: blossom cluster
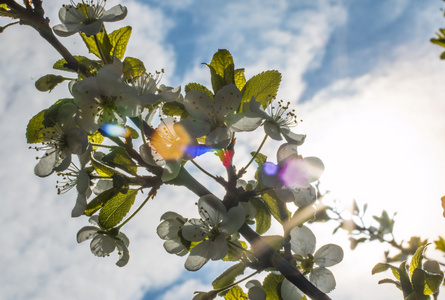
(112, 95)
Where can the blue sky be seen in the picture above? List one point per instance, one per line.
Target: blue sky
(362, 75)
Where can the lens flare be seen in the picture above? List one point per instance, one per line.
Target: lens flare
(294, 173)
(116, 130)
(197, 150)
(270, 169)
(226, 157)
(170, 140)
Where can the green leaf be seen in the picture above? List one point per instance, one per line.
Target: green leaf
(49, 82)
(222, 69)
(276, 207)
(119, 158)
(50, 118)
(196, 86)
(134, 132)
(133, 67)
(90, 65)
(386, 224)
(99, 201)
(116, 208)
(381, 267)
(272, 285)
(262, 217)
(426, 283)
(99, 45)
(240, 79)
(263, 87)
(416, 261)
(228, 276)
(236, 293)
(440, 244)
(35, 126)
(119, 40)
(96, 138)
(101, 169)
(260, 159)
(387, 280)
(404, 280)
(235, 253)
(121, 183)
(173, 109)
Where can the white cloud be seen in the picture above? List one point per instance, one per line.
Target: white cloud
(380, 137)
(388, 123)
(284, 38)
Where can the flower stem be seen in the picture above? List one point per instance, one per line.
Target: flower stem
(103, 146)
(136, 211)
(239, 281)
(255, 155)
(204, 171)
(142, 130)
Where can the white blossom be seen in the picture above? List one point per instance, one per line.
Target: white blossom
(60, 142)
(104, 242)
(169, 230)
(303, 242)
(292, 175)
(87, 17)
(105, 98)
(210, 117)
(211, 231)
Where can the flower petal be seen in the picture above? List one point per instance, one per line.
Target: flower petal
(257, 293)
(234, 219)
(194, 230)
(121, 236)
(305, 196)
(199, 256)
(80, 206)
(169, 229)
(218, 248)
(175, 247)
(247, 121)
(323, 279)
(124, 255)
(116, 13)
(102, 245)
(315, 168)
(45, 166)
(77, 140)
(290, 292)
(86, 233)
(328, 255)
(211, 209)
(226, 101)
(219, 138)
(272, 130)
(198, 105)
(171, 170)
(302, 241)
(293, 138)
(172, 215)
(285, 151)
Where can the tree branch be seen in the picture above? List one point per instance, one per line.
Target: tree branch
(263, 252)
(35, 18)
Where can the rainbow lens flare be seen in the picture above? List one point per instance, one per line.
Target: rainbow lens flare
(170, 141)
(294, 173)
(116, 130)
(270, 169)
